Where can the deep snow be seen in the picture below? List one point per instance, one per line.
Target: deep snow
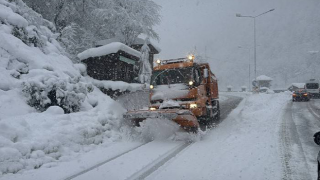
(51, 144)
(38, 136)
(246, 145)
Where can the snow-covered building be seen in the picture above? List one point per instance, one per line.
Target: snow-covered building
(295, 86)
(264, 81)
(114, 61)
(137, 45)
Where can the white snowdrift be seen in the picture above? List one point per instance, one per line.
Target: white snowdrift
(108, 49)
(117, 85)
(30, 139)
(35, 139)
(7, 15)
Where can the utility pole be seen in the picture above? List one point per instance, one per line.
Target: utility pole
(254, 38)
(249, 78)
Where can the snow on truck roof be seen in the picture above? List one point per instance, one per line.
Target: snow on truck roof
(108, 49)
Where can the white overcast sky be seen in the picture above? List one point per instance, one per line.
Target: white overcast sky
(283, 36)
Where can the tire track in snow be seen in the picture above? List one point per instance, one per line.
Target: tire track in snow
(158, 163)
(292, 149)
(104, 162)
(313, 110)
(226, 107)
(284, 144)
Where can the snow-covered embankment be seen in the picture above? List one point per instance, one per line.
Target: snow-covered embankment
(38, 85)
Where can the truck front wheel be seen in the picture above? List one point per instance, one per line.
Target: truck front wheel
(216, 111)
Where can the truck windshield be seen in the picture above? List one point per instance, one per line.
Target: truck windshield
(312, 85)
(172, 76)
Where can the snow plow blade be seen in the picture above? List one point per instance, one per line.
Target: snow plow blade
(185, 118)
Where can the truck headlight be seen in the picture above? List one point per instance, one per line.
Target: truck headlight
(190, 83)
(193, 106)
(152, 109)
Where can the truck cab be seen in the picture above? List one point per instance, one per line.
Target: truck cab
(184, 84)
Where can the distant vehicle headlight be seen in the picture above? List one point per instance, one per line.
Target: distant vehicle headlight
(193, 106)
(305, 94)
(152, 109)
(151, 86)
(190, 83)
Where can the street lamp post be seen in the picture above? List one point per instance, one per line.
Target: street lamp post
(254, 38)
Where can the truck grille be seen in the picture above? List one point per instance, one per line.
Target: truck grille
(183, 99)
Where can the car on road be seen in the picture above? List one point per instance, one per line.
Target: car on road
(300, 95)
(312, 86)
(316, 139)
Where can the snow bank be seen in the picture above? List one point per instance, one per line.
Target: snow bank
(117, 85)
(38, 85)
(157, 129)
(108, 49)
(7, 15)
(35, 139)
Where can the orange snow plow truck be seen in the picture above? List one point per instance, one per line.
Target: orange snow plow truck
(183, 91)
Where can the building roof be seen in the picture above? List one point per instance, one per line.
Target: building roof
(108, 49)
(299, 85)
(136, 42)
(264, 78)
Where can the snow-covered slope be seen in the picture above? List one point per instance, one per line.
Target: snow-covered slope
(38, 85)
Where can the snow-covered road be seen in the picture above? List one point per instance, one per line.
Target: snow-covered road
(301, 121)
(142, 162)
(266, 136)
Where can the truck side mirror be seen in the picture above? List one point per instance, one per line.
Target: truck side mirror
(205, 73)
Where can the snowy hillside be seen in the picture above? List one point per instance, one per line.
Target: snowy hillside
(49, 111)
(287, 38)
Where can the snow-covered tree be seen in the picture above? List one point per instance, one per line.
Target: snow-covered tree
(99, 19)
(145, 67)
(126, 19)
